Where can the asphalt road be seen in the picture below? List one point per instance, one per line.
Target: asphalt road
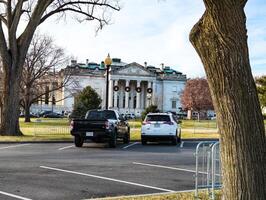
(62, 171)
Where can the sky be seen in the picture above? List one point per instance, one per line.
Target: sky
(153, 31)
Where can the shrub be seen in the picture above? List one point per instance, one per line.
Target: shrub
(87, 99)
(150, 109)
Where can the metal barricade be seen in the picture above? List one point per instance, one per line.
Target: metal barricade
(49, 130)
(208, 168)
(216, 169)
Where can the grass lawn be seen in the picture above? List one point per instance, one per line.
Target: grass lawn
(58, 129)
(172, 196)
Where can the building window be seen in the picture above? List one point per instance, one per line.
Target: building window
(174, 89)
(174, 104)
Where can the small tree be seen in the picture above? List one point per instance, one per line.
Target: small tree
(261, 87)
(196, 96)
(150, 109)
(87, 99)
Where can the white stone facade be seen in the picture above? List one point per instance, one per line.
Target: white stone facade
(132, 87)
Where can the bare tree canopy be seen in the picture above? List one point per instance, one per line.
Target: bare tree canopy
(43, 62)
(220, 39)
(27, 15)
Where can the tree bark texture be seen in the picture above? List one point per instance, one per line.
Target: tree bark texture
(220, 39)
(10, 122)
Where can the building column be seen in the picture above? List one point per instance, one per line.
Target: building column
(153, 92)
(115, 95)
(127, 95)
(138, 96)
(110, 98)
(148, 96)
(142, 104)
(121, 96)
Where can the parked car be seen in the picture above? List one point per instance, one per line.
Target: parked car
(130, 116)
(160, 127)
(44, 112)
(100, 126)
(52, 115)
(32, 115)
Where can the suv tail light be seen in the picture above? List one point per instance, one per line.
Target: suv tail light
(169, 123)
(145, 123)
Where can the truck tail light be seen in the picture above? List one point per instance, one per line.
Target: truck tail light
(107, 125)
(71, 125)
(145, 123)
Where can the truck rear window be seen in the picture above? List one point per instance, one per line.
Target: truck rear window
(100, 115)
(158, 118)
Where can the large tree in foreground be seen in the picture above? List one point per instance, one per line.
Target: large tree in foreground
(14, 46)
(220, 39)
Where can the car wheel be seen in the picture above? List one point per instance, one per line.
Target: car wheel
(126, 138)
(179, 137)
(78, 141)
(174, 140)
(143, 142)
(112, 141)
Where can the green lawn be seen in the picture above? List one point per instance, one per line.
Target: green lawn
(58, 129)
(172, 196)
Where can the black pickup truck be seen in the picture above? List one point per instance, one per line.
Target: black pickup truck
(100, 126)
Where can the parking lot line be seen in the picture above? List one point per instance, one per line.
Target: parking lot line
(106, 178)
(67, 147)
(130, 145)
(182, 144)
(165, 167)
(15, 196)
(12, 146)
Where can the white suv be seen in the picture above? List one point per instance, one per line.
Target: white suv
(160, 127)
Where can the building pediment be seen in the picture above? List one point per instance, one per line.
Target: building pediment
(133, 69)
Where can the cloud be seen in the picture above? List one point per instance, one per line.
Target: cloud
(156, 32)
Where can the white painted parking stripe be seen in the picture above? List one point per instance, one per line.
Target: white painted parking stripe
(130, 145)
(12, 146)
(166, 167)
(106, 178)
(182, 144)
(68, 147)
(15, 196)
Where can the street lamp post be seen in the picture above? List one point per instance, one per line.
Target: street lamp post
(107, 62)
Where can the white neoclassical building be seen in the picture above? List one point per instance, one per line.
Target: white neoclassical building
(132, 87)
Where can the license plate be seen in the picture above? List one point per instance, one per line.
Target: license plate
(89, 133)
(157, 125)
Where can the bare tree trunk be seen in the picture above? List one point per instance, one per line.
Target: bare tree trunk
(27, 104)
(220, 38)
(10, 121)
(27, 113)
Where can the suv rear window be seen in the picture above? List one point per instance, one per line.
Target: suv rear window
(100, 115)
(158, 118)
